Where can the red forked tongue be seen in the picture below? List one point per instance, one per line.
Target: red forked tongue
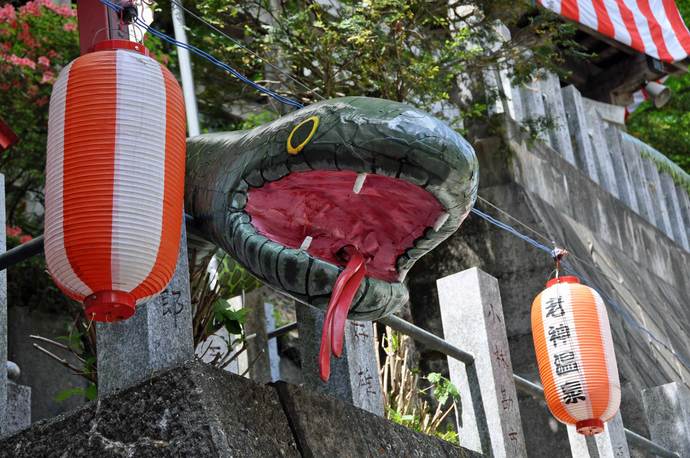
(344, 291)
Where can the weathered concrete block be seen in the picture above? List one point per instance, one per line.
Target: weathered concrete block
(663, 221)
(472, 317)
(326, 427)
(684, 201)
(605, 169)
(533, 106)
(196, 411)
(158, 336)
(645, 207)
(354, 376)
(674, 212)
(18, 408)
(192, 410)
(625, 189)
(579, 132)
(3, 315)
(555, 110)
(609, 444)
(667, 408)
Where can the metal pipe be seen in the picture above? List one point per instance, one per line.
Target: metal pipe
(644, 443)
(524, 385)
(21, 252)
(282, 330)
(34, 247)
(427, 338)
(185, 70)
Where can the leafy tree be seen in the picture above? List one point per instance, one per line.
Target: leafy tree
(668, 128)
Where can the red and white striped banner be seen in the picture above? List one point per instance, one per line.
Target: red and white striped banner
(653, 27)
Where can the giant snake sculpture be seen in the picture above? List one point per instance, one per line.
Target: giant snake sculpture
(333, 203)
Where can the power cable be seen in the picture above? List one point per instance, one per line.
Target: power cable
(162, 36)
(239, 43)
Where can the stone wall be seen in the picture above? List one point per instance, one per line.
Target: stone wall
(620, 253)
(195, 410)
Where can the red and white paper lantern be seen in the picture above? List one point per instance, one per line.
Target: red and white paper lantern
(577, 364)
(114, 179)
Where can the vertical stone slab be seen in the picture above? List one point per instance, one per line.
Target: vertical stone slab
(158, 336)
(579, 132)
(18, 408)
(607, 174)
(675, 216)
(638, 181)
(354, 376)
(609, 444)
(663, 222)
(472, 317)
(613, 141)
(533, 106)
(3, 316)
(262, 353)
(667, 408)
(684, 201)
(555, 110)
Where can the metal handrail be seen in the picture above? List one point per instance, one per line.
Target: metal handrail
(534, 389)
(35, 246)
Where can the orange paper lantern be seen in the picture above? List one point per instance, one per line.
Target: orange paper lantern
(574, 348)
(114, 179)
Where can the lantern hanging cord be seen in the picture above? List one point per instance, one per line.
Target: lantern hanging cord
(620, 310)
(162, 36)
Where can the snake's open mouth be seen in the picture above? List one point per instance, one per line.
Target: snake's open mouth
(324, 211)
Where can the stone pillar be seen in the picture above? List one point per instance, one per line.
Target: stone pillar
(609, 444)
(667, 408)
(3, 316)
(555, 110)
(472, 317)
(262, 353)
(639, 181)
(613, 141)
(607, 174)
(354, 376)
(668, 188)
(18, 415)
(533, 106)
(579, 132)
(663, 222)
(684, 200)
(158, 336)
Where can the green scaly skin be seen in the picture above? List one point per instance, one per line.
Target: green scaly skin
(360, 134)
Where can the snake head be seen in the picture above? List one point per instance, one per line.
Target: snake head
(285, 199)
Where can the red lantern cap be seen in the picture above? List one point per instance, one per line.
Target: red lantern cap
(563, 279)
(590, 427)
(109, 306)
(111, 45)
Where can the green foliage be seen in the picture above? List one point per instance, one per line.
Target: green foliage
(232, 320)
(442, 388)
(36, 41)
(668, 128)
(89, 393)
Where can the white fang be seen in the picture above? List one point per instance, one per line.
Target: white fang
(441, 221)
(306, 243)
(359, 182)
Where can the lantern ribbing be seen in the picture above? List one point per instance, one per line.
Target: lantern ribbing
(574, 348)
(114, 179)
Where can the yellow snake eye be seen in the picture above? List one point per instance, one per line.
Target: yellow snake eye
(301, 134)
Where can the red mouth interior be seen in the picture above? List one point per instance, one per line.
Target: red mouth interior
(381, 222)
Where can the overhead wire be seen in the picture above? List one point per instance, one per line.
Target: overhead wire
(625, 314)
(157, 33)
(241, 45)
(614, 305)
